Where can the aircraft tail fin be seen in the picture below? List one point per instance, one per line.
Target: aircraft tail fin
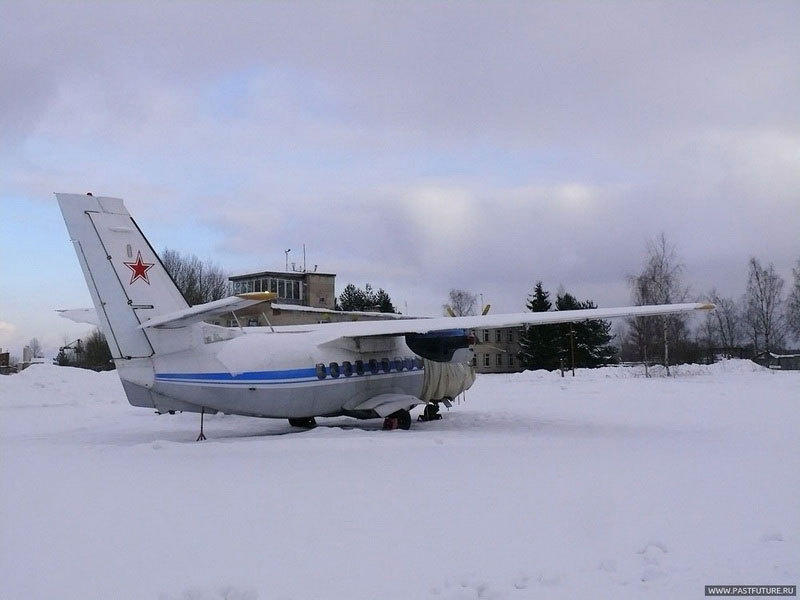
(126, 279)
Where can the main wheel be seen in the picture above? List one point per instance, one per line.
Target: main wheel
(304, 422)
(431, 413)
(400, 419)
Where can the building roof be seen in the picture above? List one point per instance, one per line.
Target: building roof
(282, 274)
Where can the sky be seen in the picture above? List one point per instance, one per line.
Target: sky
(416, 146)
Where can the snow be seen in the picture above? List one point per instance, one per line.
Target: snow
(605, 485)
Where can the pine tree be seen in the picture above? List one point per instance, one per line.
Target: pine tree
(537, 343)
(384, 302)
(591, 338)
(354, 298)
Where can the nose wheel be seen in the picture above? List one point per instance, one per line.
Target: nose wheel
(398, 420)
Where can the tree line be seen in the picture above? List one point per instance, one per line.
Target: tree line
(89, 353)
(561, 345)
(355, 298)
(766, 317)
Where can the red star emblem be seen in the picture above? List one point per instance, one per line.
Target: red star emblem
(139, 269)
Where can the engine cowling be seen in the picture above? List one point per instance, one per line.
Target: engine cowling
(451, 345)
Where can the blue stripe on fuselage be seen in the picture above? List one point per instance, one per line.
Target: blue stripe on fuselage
(247, 376)
(287, 375)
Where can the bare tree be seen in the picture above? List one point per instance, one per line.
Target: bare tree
(461, 302)
(724, 325)
(659, 282)
(793, 305)
(36, 348)
(764, 301)
(199, 281)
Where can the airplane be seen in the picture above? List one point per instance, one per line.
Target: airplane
(170, 359)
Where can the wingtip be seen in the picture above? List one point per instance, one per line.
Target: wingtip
(707, 306)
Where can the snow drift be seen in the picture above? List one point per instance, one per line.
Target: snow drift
(605, 485)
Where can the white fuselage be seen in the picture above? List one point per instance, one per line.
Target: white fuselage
(281, 375)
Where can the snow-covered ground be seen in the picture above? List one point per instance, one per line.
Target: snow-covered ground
(608, 485)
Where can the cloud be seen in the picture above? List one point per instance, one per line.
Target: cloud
(420, 147)
(7, 331)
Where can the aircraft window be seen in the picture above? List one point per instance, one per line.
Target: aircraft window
(386, 365)
(359, 367)
(347, 368)
(419, 363)
(335, 369)
(373, 365)
(321, 370)
(408, 363)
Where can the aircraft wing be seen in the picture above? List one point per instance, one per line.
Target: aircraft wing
(333, 333)
(201, 312)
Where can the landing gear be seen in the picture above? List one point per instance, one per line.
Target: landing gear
(304, 422)
(430, 413)
(201, 437)
(398, 420)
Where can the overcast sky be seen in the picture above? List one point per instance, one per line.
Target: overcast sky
(415, 146)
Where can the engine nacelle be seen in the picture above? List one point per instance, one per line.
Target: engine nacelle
(452, 345)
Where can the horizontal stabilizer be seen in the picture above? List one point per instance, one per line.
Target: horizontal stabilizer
(209, 310)
(80, 315)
